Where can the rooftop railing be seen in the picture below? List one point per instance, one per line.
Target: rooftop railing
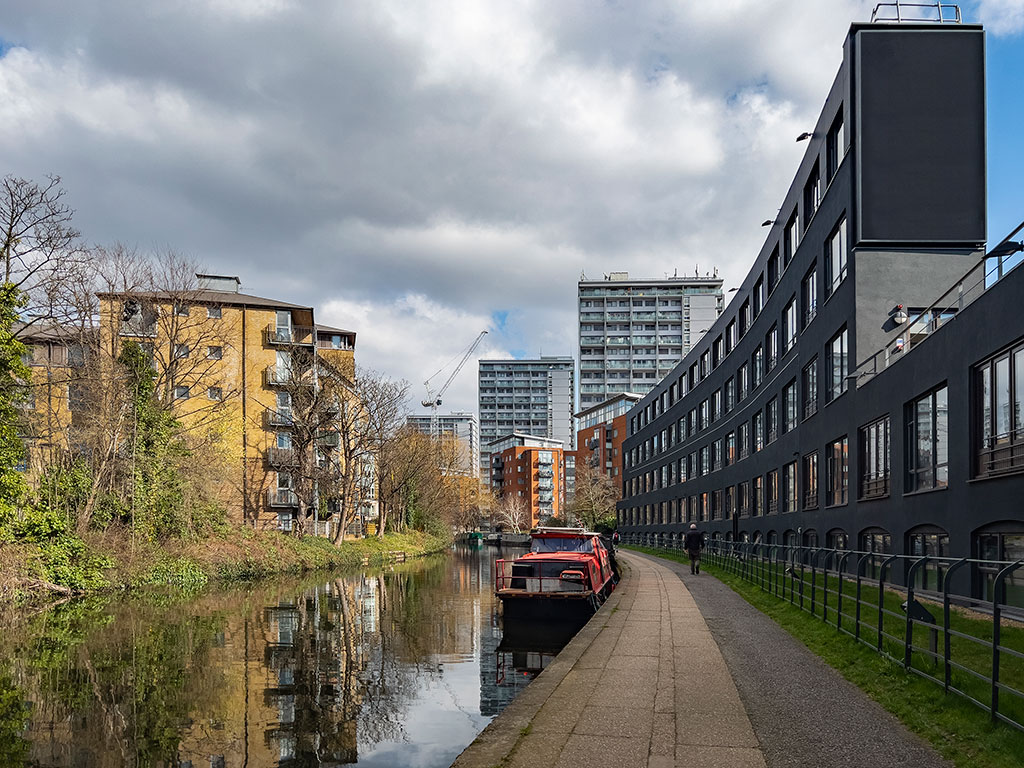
(932, 13)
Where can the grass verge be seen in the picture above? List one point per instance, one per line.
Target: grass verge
(958, 730)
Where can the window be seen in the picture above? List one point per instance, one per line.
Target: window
(927, 442)
(743, 382)
(181, 350)
(789, 328)
(730, 336)
(934, 543)
(874, 459)
(730, 448)
(809, 380)
(744, 317)
(705, 460)
(743, 498)
(758, 296)
(837, 365)
(743, 438)
(772, 491)
(789, 487)
(773, 270)
(757, 491)
(791, 238)
(214, 313)
(878, 542)
(214, 353)
(757, 425)
(771, 346)
(789, 407)
(1002, 542)
(756, 367)
(810, 475)
(716, 455)
(716, 405)
(181, 392)
(704, 414)
(180, 310)
(812, 195)
(717, 352)
(835, 258)
(999, 393)
(76, 396)
(771, 420)
(809, 294)
(214, 393)
(836, 145)
(836, 472)
(730, 394)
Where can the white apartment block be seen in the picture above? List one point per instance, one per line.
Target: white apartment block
(464, 427)
(633, 331)
(534, 397)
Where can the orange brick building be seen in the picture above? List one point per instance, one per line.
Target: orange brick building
(600, 430)
(537, 470)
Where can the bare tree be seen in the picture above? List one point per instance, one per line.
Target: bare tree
(40, 251)
(596, 494)
(513, 512)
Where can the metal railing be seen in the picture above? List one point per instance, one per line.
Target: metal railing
(917, 12)
(999, 262)
(905, 607)
(294, 334)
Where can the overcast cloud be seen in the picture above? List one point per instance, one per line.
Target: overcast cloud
(419, 171)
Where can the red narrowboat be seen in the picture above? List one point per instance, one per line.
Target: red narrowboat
(566, 574)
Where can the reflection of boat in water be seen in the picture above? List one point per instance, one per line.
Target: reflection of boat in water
(567, 574)
(527, 647)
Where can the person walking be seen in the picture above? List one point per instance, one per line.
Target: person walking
(694, 543)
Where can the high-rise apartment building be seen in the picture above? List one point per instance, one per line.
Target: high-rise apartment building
(463, 428)
(533, 396)
(633, 331)
(537, 473)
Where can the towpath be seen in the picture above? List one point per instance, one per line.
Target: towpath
(678, 670)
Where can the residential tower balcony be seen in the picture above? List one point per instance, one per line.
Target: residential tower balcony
(275, 335)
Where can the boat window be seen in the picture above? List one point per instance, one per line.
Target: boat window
(561, 545)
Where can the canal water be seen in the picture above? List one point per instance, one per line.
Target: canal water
(403, 666)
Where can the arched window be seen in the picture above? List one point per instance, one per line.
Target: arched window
(837, 538)
(1000, 542)
(933, 542)
(877, 542)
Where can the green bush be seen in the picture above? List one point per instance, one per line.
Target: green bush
(40, 523)
(178, 572)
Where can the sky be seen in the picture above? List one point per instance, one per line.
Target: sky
(421, 171)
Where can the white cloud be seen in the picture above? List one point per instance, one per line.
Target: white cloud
(1002, 17)
(414, 337)
(412, 169)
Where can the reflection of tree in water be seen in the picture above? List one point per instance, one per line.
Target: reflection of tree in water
(113, 687)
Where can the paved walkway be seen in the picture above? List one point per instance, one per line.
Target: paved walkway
(646, 683)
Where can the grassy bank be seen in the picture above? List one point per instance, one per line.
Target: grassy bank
(112, 560)
(959, 731)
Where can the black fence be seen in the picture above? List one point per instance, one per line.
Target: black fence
(905, 608)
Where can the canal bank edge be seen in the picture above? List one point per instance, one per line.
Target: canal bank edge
(497, 743)
(237, 555)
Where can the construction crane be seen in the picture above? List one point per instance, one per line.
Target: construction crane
(433, 399)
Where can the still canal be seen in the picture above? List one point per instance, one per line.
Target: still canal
(401, 666)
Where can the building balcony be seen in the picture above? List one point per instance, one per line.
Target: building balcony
(273, 419)
(274, 335)
(276, 376)
(142, 330)
(328, 440)
(278, 498)
(282, 457)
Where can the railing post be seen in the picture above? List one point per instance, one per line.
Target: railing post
(860, 575)
(881, 596)
(998, 596)
(802, 578)
(908, 639)
(839, 598)
(947, 649)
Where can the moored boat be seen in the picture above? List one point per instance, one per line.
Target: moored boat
(567, 572)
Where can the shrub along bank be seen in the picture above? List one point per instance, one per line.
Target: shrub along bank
(43, 557)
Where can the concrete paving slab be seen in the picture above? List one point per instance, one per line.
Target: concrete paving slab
(719, 757)
(602, 752)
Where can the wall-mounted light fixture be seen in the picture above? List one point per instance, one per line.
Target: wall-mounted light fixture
(804, 136)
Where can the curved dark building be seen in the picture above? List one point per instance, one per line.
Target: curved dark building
(863, 388)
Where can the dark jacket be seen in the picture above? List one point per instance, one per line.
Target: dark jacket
(694, 542)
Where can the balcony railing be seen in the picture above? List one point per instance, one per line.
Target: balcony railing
(811, 500)
(282, 457)
(874, 486)
(296, 334)
(344, 345)
(810, 408)
(278, 419)
(278, 376)
(278, 497)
